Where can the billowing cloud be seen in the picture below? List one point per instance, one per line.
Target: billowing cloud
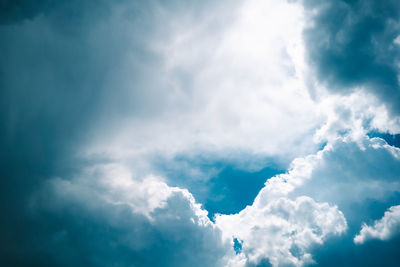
(283, 231)
(276, 227)
(383, 229)
(220, 89)
(119, 119)
(107, 217)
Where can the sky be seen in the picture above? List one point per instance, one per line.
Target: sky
(200, 133)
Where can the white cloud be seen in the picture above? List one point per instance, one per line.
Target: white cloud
(352, 116)
(348, 173)
(383, 229)
(114, 184)
(283, 224)
(283, 230)
(146, 221)
(222, 86)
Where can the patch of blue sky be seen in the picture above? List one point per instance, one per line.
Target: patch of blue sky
(233, 189)
(220, 186)
(237, 245)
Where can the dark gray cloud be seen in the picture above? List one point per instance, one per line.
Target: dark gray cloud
(74, 226)
(350, 43)
(14, 11)
(62, 70)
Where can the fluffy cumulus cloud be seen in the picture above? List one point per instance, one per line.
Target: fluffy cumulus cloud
(121, 121)
(383, 229)
(337, 174)
(109, 218)
(352, 176)
(284, 230)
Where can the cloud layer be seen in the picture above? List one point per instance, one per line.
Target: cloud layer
(118, 120)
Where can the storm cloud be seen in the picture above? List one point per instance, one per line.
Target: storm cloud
(352, 44)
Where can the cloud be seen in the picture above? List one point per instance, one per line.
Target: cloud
(383, 229)
(103, 216)
(113, 183)
(12, 11)
(283, 224)
(355, 176)
(64, 69)
(112, 96)
(352, 44)
(353, 116)
(347, 182)
(220, 90)
(284, 230)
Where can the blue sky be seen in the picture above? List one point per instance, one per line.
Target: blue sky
(200, 133)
